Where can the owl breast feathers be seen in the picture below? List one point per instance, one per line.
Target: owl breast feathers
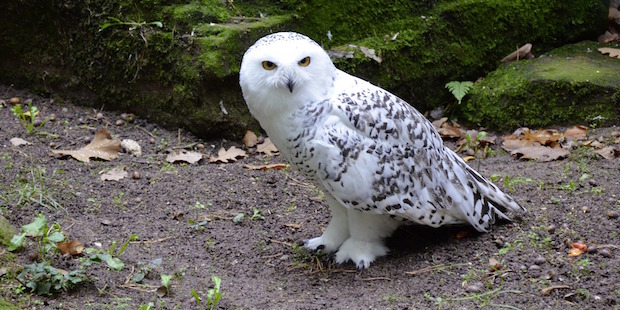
(378, 161)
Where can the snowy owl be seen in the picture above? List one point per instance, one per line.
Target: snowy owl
(378, 161)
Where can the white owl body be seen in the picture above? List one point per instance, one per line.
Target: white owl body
(376, 158)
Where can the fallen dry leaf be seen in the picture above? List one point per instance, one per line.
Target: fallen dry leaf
(115, 174)
(293, 225)
(250, 139)
(267, 148)
(265, 167)
(190, 157)
(540, 153)
(576, 132)
(543, 136)
(613, 52)
(495, 264)
(549, 289)
(102, 146)
(230, 155)
(607, 152)
(72, 247)
(19, 142)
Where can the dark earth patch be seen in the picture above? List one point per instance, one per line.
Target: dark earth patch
(257, 260)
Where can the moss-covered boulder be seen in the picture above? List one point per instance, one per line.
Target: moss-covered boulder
(568, 85)
(114, 54)
(6, 231)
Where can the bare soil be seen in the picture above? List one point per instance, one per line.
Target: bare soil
(183, 214)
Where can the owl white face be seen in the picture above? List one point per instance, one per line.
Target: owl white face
(283, 69)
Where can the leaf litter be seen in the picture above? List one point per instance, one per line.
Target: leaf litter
(189, 157)
(102, 146)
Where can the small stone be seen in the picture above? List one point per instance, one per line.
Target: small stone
(105, 222)
(33, 255)
(37, 122)
(128, 117)
(613, 214)
(137, 200)
(592, 182)
(87, 139)
(605, 252)
(568, 242)
(15, 100)
(64, 110)
(136, 175)
(499, 242)
(534, 268)
(81, 120)
(120, 122)
(51, 101)
(470, 152)
(592, 249)
(539, 260)
(200, 146)
(475, 288)
(551, 228)
(2, 103)
(53, 145)
(152, 140)
(99, 115)
(522, 267)
(585, 209)
(52, 117)
(615, 133)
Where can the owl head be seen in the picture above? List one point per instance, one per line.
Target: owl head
(283, 70)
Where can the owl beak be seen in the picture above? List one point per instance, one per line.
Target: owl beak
(290, 84)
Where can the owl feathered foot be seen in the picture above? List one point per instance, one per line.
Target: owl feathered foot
(354, 235)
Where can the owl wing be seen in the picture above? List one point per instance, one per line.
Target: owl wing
(375, 153)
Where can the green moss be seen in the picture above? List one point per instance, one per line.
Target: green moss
(571, 85)
(6, 231)
(5, 305)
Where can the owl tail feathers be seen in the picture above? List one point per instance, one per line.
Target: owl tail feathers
(490, 203)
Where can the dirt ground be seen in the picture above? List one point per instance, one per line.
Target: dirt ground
(184, 215)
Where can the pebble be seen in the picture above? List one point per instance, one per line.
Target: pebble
(65, 110)
(200, 146)
(37, 122)
(539, 260)
(15, 100)
(136, 175)
(99, 115)
(52, 117)
(613, 214)
(475, 288)
(551, 228)
(137, 200)
(120, 122)
(592, 249)
(152, 140)
(605, 252)
(592, 182)
(53, 145)
(585, 209)
(534, 268)
(2, 103)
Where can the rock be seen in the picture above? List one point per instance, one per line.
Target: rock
(132, 147)
(613, 214)
(526, 93)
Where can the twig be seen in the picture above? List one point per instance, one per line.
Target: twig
(146, 132)
(547, 290)
(272, 256)
(433, 268)
(152, 241)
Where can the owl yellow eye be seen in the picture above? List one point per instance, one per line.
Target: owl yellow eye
(304, 62)
(268, 65)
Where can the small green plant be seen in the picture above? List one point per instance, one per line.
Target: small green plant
(110, 257)
(27, 116)
(145, 269)
(132, 24)
(168, 167)
(46, 237)
(459, 89)
(165, 282)
(213, 294)
(255, 216)
(118, 200)
(44, 279)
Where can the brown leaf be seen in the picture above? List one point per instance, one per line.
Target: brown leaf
(115, 174)
(543, 136)
(267, 148)
(576, 132)
(250, 139)
(540, 153)
(292, 225)
(230, 155)
(102, 146)
(72, 247)
(190, 157)
(495, 264)
(265, 167)
(613, 52)
(549, 289)
(438, 122)
(607, 152)
(514, 144)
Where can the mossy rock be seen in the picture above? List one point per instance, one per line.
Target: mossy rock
(185, 74)
(574, 84)
(5, 305)
(6, 231)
